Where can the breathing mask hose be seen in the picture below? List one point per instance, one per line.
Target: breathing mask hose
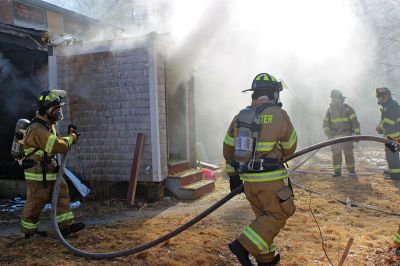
(188, 224)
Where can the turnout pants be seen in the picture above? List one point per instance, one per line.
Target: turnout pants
(37, 197)
(347, 148)
(393, 161)
(272, 203)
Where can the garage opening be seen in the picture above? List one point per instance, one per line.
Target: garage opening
(23, 75)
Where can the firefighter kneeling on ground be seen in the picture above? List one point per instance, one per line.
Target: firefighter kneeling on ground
(41, 145)
(257, 140)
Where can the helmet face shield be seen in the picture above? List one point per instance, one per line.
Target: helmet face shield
(52, 98)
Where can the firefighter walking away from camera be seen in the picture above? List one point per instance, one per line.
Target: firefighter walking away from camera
(40, 167)
(257, 141)
(389, 126)
(341, 120)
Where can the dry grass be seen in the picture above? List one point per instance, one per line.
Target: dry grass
(206, 243)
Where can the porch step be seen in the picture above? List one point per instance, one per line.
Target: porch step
(189, 184)
(177, 167)
(188, 177)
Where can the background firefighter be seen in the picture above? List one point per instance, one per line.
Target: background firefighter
(341, 120)
(41, 145)
(389, 126)
(264, 179)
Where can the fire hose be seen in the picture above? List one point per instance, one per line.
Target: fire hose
(196, 219)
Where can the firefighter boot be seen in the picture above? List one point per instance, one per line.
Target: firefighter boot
(40, 233)
(275, 261)
(352, 174)
(240, 252)
(75, 227)
(337, 174)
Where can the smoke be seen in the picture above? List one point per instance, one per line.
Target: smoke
(314, 46)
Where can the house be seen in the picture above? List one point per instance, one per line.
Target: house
(117, 88)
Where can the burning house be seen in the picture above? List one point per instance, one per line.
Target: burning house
(116, 89)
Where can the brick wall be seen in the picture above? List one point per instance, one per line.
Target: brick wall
(6, 11)
(109, 101)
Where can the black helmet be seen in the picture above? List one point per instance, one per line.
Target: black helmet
(265, 81)
(51, 98)
(337, 94)
(382, 91)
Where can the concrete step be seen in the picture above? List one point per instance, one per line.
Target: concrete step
(177, 167)
(192, 191)
(187, 177)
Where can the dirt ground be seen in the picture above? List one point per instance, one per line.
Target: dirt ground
(113, 226)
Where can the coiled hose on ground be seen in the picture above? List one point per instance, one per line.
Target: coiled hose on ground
(188, 224)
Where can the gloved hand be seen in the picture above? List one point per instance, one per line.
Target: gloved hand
(73, 131)
(379, 129)
(234, 182)
(393, 146)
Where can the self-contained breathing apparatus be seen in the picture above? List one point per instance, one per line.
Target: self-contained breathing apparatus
(248, 130)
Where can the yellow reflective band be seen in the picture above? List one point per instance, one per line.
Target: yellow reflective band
(350, 165)
(229, 140)
(397, 238)
(292, 140)
(68, 140)
(352, 116)
(357, 130)
(326, 119)
(229, 168)
(29, 225)
(64, 217)
(39, 153)
(50, 143)
(40, 97)
(264, 176)
(47, 98)
(394, 170)
(266, 119)
(256, 239)
(337, 167)
(393, 135)
(389, 121)
(265, 145)
(39, 177)
(340, 120)
(326, 128)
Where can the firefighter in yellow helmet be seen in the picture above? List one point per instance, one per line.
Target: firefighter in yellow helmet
(40, 166)
(389, 126)
(341, 120)
(256, 142)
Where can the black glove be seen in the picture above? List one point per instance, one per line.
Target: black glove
(73, 129)
(234, 182)
(392, 146)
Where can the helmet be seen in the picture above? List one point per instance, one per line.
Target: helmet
(337, 94)
(51, 98)
(382, 91)
(265, 81)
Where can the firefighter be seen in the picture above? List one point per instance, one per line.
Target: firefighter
(341, 120)
(41, 145)
(389, 126)
(397, 241)
(264, 176)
